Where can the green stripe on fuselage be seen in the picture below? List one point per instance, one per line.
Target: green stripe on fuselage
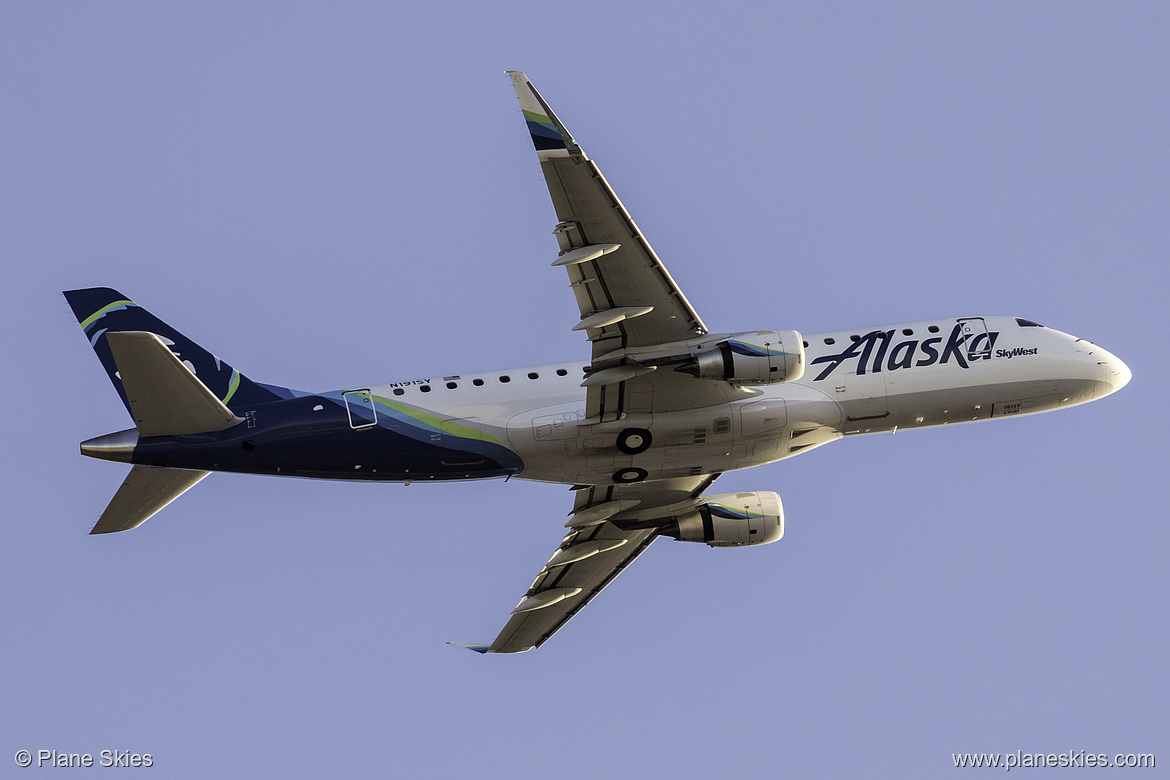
(444, 426)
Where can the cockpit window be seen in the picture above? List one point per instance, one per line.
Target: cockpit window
(1023, 323)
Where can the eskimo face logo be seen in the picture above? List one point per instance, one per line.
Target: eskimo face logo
(875, 351)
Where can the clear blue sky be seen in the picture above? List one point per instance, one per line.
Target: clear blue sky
(334, 197)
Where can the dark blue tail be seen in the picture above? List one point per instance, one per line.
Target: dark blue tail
(101, 310)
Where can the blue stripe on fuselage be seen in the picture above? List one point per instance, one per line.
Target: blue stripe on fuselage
(295, 438)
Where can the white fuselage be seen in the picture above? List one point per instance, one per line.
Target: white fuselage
(912, 375)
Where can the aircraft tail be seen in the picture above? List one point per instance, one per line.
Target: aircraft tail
(103, 312)
(170, 385)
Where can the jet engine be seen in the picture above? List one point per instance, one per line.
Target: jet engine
(731, 520)
(764, 357)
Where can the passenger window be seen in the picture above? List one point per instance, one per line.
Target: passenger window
(505, 378)
(477, 382)
(398, 391)
(533, 375)
(451, 385)
(562, 372)
(933, 328)
(907, 332)
(830, 340)
(425, 388)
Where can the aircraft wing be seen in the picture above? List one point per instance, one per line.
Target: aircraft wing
(626, 296)
(626, 276)
(627, 299)
(592, 555)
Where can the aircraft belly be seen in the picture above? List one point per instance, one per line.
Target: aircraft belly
(368, 455)
(966, 403)
(557, 446)
(316, 436)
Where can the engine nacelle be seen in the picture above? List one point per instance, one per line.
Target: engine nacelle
(732, 520)
(764, 357)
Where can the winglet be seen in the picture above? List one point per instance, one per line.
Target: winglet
(549, 136)
(481, 649)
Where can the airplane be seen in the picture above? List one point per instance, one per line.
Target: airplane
(640, 431)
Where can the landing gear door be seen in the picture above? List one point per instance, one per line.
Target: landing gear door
(976, 341)
(360, 406)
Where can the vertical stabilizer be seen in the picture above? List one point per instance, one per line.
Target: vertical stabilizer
(102, 311)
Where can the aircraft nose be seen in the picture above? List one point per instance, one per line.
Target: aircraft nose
(1114, 371)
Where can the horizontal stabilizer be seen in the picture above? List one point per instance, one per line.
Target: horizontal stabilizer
(163, 394)
(147, 489)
